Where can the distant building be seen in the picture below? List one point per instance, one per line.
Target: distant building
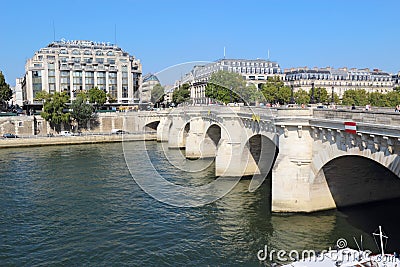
(19, 95)
(396, 79)
(149, 81)
(254, 71)
(339, 80)
(72, 66)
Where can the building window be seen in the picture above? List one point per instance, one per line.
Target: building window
(75, 52)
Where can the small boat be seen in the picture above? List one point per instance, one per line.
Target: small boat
(348, 257)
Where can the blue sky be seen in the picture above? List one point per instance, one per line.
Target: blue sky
(164, 33)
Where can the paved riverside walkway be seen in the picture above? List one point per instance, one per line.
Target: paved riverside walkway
(74, 140)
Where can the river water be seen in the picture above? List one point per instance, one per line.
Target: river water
(78, 205)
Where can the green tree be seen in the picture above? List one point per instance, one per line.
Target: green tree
(393, 98)
(250, 94)
(378, 99)
(226, 87)
(111, 99)
(182, 94)
(275, 90)
(81, 112)
(53, 109)
(302, 96)
(321, 95)
(283, 95)
(97, 96)
(157, 93)
(42, 96)
(5, 91)
(357, 97)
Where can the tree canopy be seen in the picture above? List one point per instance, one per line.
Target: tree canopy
(5, 91)
(274, 90)
(157, 93)
(96, 96)
(182, 94)
(81, 111)
(54, 106)
(226, 87)
(357, 97)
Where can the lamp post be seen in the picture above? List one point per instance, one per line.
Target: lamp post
(291, 96)
(312, 100)
(333, 98)
(319, 94)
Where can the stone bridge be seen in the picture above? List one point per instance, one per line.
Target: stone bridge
(310, 160)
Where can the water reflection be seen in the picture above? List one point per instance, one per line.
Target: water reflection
(79, 205)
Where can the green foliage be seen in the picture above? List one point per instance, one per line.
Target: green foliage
(41, 96)
(275, 90)
(250, 94)
(357, 97)
(392, 99)
(226, 87)
(378, 99)
(5, 90)
(157, 93)
(111, 99)
(53, 109)
(320, 95)
(182, 94)
(97, 96)
(81, 111)
(302, 97)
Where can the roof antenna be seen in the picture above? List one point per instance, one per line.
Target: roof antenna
(54, 32)
(115, 34)
(268, 54)
(224, 52)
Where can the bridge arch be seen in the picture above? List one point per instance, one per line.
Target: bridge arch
(356, 176)
(258, 156)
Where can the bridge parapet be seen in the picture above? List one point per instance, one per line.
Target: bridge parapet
(372, 117)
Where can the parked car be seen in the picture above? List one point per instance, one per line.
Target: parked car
(118, 131)
(65, 133)
(9, 135)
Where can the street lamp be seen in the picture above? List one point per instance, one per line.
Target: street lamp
(333, 98)
(291, 96)
(312, 100)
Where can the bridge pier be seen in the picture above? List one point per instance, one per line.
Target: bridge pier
(177, 135)
(292, 190)
(194, 139)
(163, 129)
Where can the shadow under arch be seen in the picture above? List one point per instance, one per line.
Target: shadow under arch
(185, 133)
(214, 133)
(354, 179)
(152, 126)
(212, 137)
(262, 152)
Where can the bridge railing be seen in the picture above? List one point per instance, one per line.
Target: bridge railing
(371, 117)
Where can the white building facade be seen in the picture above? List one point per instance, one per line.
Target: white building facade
(74, 66)
(254, 71)
(339, 80)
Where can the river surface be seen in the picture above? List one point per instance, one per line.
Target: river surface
(79, 205)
